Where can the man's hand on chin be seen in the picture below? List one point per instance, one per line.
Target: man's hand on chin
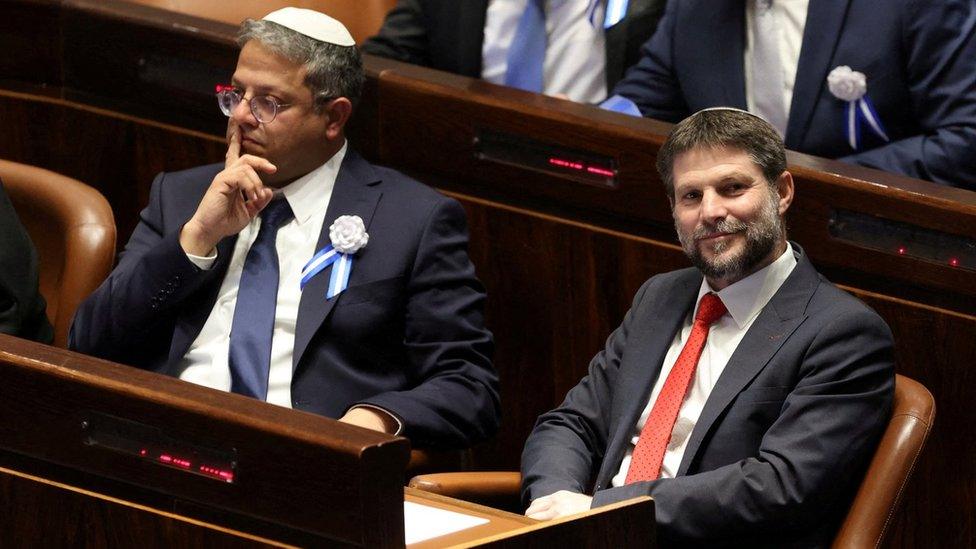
(369, 418)
(558, 505)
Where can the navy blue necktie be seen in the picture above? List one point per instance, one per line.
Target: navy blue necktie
(527, 53)
(254, 314)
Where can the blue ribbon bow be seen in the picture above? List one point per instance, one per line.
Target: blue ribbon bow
(859, 112)
(325, 257)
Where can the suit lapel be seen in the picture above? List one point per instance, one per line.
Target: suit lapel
(641, 365)
(775, 324)
(355, 193)
(825, 21)
(471, 15)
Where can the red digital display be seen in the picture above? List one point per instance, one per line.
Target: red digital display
(172, 460)
(580, 166)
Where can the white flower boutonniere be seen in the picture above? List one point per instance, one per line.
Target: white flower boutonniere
(348, 234)
(847, 84)
(851, 86)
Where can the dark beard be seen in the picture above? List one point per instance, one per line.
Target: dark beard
(762, 236)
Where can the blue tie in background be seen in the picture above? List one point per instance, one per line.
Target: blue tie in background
(257, 295)
(527, 53)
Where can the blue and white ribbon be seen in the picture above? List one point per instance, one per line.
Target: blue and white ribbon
(340, 271)
(862, 111)
(616, 9)
(851, 86)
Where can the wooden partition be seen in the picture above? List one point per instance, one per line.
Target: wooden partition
(561, 253)
(83, 437)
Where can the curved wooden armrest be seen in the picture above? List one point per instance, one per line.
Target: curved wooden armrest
(493, 488)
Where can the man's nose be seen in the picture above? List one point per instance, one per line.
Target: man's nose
(242, 113)
(713, 207)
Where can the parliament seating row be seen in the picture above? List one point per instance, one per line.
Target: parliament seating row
(560, 252)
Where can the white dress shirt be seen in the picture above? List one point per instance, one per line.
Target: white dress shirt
(791, 19)
(575, 63)
(206, 362)
(744, 300)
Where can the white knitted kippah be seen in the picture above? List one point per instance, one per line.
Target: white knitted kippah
(312, 24)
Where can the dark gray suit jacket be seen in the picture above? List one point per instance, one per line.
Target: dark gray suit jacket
(407, 335)
(448, 34)
(784, 436)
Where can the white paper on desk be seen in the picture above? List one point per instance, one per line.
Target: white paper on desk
(423, 522)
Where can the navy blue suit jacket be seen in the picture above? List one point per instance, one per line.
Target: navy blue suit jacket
(784, 436)
(23, 311)
(919, 59)
(407, 334)
(448, 35)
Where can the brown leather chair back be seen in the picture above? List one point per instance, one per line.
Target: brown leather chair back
(363, 18)
(879, 496)
(73, 230)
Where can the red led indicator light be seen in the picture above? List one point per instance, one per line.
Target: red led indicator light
(565, 163)
(227, 475)
(902, 250)
(954, 262)
(166, 458)
(599, 171)
(143, 452)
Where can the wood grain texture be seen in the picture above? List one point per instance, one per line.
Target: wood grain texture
(560, 260)
(297, 470)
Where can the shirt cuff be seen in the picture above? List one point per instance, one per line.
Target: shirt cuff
(384, 412)
(619, 103)
(204, 263)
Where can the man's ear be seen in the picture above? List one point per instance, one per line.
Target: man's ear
(784, 187)
(338, 110)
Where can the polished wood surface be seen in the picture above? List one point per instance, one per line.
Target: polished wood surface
(560, 259)
(298, 477)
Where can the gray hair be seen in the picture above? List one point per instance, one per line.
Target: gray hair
(333, 71)
(724, 127)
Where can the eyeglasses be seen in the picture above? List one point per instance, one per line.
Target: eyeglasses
(264, 107)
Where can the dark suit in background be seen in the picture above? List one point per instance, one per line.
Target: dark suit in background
(448, 35)
(22, 308)
(919, 59)
(784, 436)
(407, 335)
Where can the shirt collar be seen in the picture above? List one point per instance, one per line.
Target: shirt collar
(747, 297)
(309, 194)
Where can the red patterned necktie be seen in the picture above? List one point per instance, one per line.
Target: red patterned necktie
(645, 463)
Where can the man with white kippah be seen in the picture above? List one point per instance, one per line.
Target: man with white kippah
(746, 394)
(297, 273)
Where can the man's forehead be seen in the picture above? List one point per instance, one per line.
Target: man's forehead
(702, 162)
(261, 68)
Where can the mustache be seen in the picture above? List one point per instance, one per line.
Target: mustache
(727, 225)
